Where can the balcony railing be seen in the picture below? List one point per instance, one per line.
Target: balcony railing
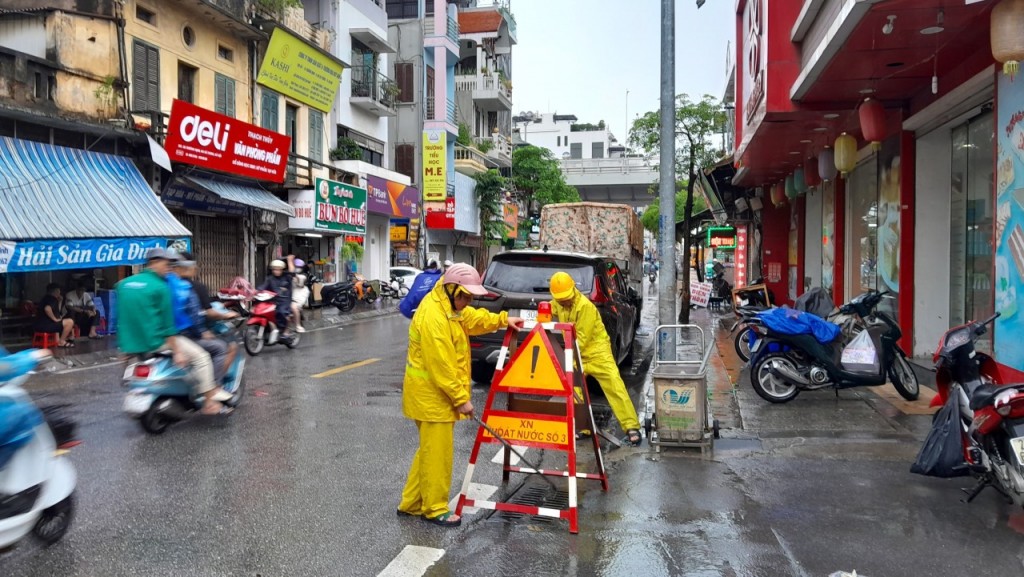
(432, 110)
(471, 154)
(451, 29)
(294, 18)
(472, 82)
(500, 146)
(622, 165)
(368, 82)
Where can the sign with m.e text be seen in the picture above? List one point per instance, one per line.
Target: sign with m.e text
(435, 160)
(340, 207)
(295, 68)
(205, 138)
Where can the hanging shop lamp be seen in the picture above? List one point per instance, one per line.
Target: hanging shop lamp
(846, 153)
(1007, 41)
(799, 181)
(779, 194)
(827, 164)
(790, 187)
(872, 122)
(811, 176)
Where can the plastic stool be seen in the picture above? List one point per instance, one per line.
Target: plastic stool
(44, 340)
(101, 328)
(76, 333)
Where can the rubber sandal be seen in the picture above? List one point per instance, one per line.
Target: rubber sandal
(633, 436)
(445, 520)
(402, 513)
(222, 411)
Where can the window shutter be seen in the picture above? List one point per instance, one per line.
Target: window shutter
(268, 112)
(406, 86)
(405, 161)
(316, 135)
(219, 94)
(153, 77)
(140, 88)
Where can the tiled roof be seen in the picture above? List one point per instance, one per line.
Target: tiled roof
(476, 21)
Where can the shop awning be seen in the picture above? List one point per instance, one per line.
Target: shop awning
(242, 194)
(53, 192)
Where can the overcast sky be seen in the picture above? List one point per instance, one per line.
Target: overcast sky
(581, 56)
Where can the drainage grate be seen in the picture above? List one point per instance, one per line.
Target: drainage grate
(537, 496)
(387, 393)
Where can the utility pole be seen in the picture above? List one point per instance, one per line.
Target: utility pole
(667, 185)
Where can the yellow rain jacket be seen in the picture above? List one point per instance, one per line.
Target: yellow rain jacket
(591, 337)
(437, 375)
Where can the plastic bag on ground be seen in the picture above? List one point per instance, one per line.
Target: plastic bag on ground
(861, 355)
(942, 454)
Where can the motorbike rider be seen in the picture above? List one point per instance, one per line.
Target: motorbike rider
(145, 324)
(436, 389)
(280, 282)
(571, 306)
(193, 311)
(421, 286)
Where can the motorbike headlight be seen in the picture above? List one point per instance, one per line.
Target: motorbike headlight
(958, 338)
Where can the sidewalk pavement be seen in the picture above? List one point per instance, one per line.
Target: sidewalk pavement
(89, 352)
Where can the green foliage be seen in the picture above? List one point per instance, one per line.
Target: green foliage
(485, 146)
(347, 149)
(586, 127)
(465, 136)
(650, 216)
(277, 6)
(536, 172)
(696, 124)
(490, 191)
(352, 251)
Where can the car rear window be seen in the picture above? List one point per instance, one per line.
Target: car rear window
(534, 277)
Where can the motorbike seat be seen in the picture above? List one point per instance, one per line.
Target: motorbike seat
(986, 394)
(750, 310)
(156, 355)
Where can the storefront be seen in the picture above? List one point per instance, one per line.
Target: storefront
(316, 245)
(400, 204)
(222, 211)
(89, 221)
(339, 212)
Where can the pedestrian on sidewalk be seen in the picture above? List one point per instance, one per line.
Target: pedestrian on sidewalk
(436, 390)
(82, 309)
(595, 348)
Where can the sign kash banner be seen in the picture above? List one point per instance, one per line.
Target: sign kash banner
(296, 69)
(205, 138)
(435, 159)
(340, 207)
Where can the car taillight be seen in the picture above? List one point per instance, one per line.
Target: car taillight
(597, 295)
(142, 371)
(475, 344)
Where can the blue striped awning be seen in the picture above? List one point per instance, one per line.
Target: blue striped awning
(242, 194)
(53, 192)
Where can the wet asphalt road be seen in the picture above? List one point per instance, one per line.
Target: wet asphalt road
(304, 479)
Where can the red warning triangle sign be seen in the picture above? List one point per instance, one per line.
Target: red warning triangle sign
(534, 368)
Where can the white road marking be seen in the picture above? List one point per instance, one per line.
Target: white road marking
(413, 561)
(477, 492)
(499, 459)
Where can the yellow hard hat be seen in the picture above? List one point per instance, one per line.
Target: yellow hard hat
(562, 285)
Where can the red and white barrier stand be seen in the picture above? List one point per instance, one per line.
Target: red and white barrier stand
(539, 381)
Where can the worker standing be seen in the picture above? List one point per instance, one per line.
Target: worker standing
(436, 389)
(595, 347)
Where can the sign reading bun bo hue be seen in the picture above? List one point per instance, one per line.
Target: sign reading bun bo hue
(205, 138)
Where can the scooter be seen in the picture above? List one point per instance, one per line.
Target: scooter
(37, 482)
(341, 295)
(160, 393)
(782, 365)
(262, 329)
(991, 412)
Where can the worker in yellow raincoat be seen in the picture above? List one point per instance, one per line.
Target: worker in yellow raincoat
(436, 390)
(571, 306)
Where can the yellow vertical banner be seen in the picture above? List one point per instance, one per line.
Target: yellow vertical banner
(434, 165)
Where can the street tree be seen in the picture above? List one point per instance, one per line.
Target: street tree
(650, 216)
(697, 125)
(536, 172)
(490, 192)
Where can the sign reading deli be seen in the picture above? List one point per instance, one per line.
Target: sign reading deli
(296, 69)
(435, 156)
(205, 138)
(340, 207)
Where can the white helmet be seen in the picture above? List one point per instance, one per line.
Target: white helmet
(277, 263)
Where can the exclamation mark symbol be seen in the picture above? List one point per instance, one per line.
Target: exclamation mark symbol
(533, 364)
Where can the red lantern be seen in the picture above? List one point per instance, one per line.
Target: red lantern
(779, 194)
(811, 176)
(872, 122)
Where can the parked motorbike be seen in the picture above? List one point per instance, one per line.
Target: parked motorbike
(365, 290)
(992, 413)
(160, 393)
(746, 336)
(37, 482)
(398, 286)
(261, 329)
(341, 295)
(784, 364)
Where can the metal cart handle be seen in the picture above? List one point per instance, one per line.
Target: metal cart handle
(675, 361)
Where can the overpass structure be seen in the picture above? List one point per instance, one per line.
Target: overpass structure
(620, 180)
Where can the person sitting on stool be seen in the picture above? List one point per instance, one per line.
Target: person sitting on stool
(82, 310)
(50, 318)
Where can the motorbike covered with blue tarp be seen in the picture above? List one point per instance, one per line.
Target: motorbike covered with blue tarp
(789, 321)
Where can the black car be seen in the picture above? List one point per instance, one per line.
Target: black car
(518, 281)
